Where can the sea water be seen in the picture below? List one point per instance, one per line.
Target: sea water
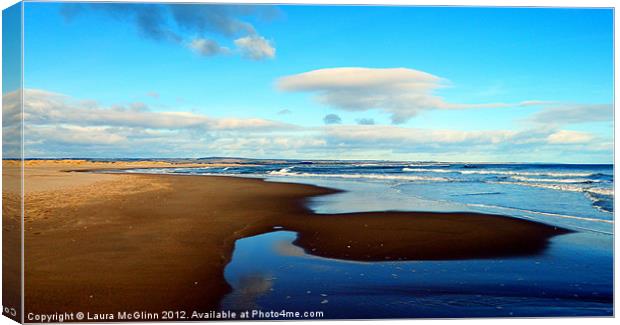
(573, 276)
(578, 197)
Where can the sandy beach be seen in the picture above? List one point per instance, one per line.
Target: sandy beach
(112, 242)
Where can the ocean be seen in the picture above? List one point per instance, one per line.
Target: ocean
(572, 277)
(572, 196)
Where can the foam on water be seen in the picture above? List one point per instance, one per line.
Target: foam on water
(287, 172)
(565, 187)
(556, 180)
(496, 172)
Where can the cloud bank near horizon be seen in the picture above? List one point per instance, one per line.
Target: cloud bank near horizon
(57, 125)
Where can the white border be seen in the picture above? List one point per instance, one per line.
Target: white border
(497, 3)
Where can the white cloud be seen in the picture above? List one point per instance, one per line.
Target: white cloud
(207, 47)
(400, 92)
(255, 47)
(395, 136)
(47, 108)
(359, 78)
(574, 114)
(11, 125)
(72, 134)
(569, 137)
(59, 126)
(11, 108)
(418, 140)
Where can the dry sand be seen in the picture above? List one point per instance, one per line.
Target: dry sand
(113, 242)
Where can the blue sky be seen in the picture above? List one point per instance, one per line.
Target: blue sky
(458, 84)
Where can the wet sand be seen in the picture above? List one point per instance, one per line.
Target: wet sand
(124, 242)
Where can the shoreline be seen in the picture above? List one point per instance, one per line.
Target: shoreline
(105, 243)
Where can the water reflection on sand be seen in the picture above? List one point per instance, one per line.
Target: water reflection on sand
(572, 277)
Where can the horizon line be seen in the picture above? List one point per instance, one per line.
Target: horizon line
(301, 160)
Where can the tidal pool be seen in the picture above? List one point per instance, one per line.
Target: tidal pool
(572, 277)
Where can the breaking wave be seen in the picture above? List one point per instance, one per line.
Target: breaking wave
(555, 180)
(287, 172)
(499, 172)
(565, 187)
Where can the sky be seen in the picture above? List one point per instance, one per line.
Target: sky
(317, 82)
